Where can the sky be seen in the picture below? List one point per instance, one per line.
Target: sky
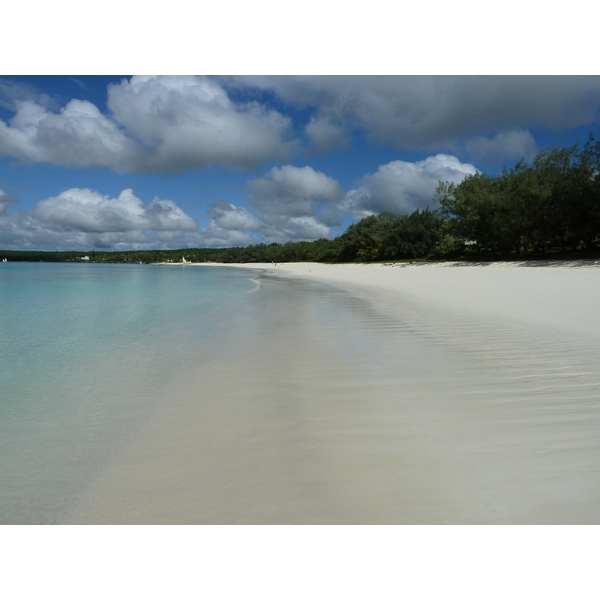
(90, 162)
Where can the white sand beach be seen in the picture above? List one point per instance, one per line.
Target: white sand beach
(439, 393)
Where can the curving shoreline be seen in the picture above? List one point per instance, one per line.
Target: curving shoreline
(421, 394)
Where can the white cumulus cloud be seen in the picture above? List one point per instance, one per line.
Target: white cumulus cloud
(287, 204)
(156, 124)
(213, 236)
(293, 191)
(84, 219)
(87, 210)
(295, 203)
(401, 187)
(229, 216)
(78, 136)
(295, 229)
(190, 122)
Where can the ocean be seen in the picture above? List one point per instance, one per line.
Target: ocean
(87, 353)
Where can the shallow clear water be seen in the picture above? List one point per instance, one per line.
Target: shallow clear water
(171, 394)
(87, 352)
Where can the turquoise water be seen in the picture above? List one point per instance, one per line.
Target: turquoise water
(87, 352)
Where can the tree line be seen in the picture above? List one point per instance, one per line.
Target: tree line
(550, 206)
(552, 203)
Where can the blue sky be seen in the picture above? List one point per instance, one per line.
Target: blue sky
(122, 162)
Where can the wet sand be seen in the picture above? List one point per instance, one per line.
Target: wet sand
(363, 394)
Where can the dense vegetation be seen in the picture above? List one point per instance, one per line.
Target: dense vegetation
(549, 207)
(555, 202)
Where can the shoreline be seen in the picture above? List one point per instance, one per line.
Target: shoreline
(426, 394)
(524, 293)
